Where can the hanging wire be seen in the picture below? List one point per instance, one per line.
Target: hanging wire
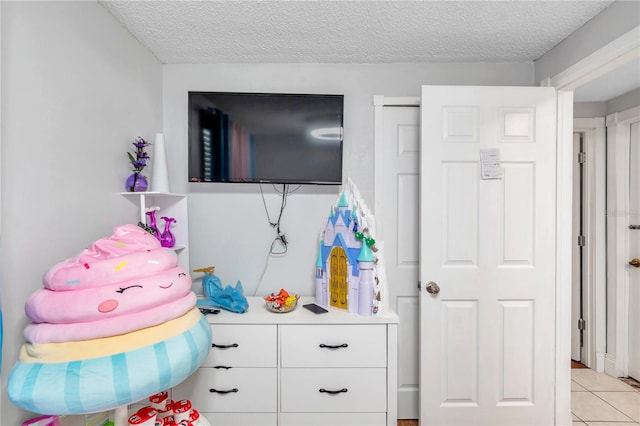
(280, 237)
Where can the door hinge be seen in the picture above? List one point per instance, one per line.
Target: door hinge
(582, 157)
(581, 324)
(581, 241)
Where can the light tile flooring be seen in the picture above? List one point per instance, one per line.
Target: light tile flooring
(598, 399)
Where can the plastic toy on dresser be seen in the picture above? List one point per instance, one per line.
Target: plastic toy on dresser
(349, 268)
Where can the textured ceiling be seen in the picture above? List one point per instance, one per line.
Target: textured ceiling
(358, 31)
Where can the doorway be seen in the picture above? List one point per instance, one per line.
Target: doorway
(578, 260)
(634, 252)
(588, 318)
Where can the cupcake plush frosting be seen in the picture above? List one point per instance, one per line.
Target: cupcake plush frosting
(112, 325)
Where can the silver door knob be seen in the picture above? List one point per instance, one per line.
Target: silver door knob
(433, 288)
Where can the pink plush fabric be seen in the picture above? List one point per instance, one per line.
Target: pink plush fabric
(71, 275)
(112, 326)
(130, 253)
(125, 239)
(110, 300)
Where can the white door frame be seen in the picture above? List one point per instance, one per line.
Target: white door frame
(595, 290)
(624, 49)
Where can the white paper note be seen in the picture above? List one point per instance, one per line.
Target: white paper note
(490, 167)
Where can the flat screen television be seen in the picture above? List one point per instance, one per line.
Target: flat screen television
(265, 137)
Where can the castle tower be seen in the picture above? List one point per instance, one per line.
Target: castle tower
(366, 261)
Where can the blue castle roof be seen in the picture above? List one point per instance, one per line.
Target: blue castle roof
(343, 200)
(345, 215)
(366, 255)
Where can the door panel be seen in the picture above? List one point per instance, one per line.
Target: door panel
(516, 200)
(486, 339)
(515, 365)
(459, 353)
(460, 214)
(398, 228)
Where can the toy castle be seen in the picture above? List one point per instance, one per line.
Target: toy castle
(348, 264)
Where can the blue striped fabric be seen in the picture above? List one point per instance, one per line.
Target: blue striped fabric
(72, 386)
(105, 383)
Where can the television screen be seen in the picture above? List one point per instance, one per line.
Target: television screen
(265, 137)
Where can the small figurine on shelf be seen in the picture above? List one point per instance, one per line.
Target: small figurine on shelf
(167, 239)
(151, 212)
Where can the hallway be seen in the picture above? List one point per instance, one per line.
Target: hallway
(601, 400)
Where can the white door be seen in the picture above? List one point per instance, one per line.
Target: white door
(487, 337)
(397, 225)
(634, 251)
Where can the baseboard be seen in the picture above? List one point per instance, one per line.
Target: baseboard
(600, 362)
(610, 365)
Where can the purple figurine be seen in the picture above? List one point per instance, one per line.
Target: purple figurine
(151, 212)
(167, 239)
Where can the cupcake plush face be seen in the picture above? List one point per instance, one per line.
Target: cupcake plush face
(111, 300)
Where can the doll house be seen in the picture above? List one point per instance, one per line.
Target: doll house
(346, 273)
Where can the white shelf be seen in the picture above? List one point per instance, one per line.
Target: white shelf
(171, 205)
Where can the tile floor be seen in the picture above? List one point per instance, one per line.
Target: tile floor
(601, 400)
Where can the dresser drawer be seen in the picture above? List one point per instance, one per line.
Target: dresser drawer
(332, 390)
(333, 345)
(243, 419)
(330, 419)
(243, 346)
(247, 390)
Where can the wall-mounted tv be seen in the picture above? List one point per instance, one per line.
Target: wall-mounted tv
(265, 137)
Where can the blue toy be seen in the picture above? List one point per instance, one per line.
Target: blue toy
(228, 298)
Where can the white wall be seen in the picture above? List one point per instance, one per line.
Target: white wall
(602, 109)
(611, 23)
(228, 223)
(623, 102)
(589, 109)
(76, 90)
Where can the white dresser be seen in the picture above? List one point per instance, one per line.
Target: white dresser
(297, 369)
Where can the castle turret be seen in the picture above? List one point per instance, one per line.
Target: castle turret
(366, 262)
(343, 204)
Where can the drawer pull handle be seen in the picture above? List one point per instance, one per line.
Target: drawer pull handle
(234, 390)
(333, 392)
(344, 345)
(218, 367)
(233, 345)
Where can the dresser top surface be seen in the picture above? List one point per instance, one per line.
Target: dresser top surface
(258, 314)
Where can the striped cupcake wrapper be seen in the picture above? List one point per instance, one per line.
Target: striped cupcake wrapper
(104, 383)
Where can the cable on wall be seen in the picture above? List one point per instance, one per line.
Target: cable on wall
(280, 236)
